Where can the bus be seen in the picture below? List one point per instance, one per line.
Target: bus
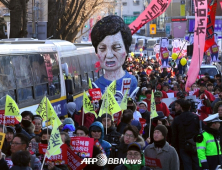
(31, 69)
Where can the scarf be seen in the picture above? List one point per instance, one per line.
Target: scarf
(160, 144)
(136, 166)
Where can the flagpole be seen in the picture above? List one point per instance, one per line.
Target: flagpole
(47, 118)
(43, 162)
(106, 107)
(150, 126)
(83, 116)
(3, 124)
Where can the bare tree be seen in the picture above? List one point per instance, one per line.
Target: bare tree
(18, 17)
(67, 18)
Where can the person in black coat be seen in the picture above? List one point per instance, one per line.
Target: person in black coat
(127, 117)
(130, 134)
(185, 127)
(112, 136)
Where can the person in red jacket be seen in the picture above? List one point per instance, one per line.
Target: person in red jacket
(207, 98)
(159, 88)
(160, 106)
(148, 99)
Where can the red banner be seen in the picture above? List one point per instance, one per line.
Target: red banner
(57, 159)
(83, 146)
(97, 144)
(199, 42)
(153, 10)
(9, 120)
(210, 25)
(117, 117)
(153, 163)
(143, 124)
(74, 161)
(95, 93)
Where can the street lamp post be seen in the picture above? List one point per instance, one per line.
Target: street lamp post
(7, 19)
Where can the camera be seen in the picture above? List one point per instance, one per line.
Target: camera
(194, 105)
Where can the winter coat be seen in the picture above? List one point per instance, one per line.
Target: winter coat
(112, 135)
(146, 115)
(185, 126)
(167, 155)
(121, 126)
(29, 131)
(106, 145)
(122, 149)
(20, 168)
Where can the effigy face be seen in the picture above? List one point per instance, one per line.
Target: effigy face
(111, 52)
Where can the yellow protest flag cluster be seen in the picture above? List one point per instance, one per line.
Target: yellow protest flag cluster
(153, 107)
(87, 105)
(109, 104)
(47, 112)
(55, 142)
(123, 103)
(11, 108)
(111, 88)
(90, 84)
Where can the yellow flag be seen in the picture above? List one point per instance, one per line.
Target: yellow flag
(52, 114)
(112, 87)
(123, 103)
(41, 110)
(87, 105)
(55, 142)
(90, 84)
(11, 108)
(111, 106)
(153, 107)
(19, 118)
(2, 138)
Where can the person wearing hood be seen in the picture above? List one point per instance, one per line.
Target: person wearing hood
(26, 127)
(130, 134)
(143, 110)
(112, 135)
(209, 150)
(160, 151)
(184, 127)
(96, 131)
(68, 126)
(134, 154)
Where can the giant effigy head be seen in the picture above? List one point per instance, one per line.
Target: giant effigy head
(111, 38)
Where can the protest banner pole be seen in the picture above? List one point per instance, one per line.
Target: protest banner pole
(3, 124)
(106, 107)
(43, 162)
(47, 117)
(150, 125)
(83, 116)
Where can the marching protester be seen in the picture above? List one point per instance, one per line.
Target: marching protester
(161, 152)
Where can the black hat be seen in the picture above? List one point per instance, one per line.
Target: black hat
(95, 128)
(134, 146)
(10, 129)
(108, 116)
(162, 129)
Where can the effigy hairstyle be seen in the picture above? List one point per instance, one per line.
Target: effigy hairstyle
(111, 25)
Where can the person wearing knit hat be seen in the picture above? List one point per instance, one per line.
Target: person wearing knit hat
(112, 135)
(160, 150)
(69, 126)
(71, 108)
(134, 154)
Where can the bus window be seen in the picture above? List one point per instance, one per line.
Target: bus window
(7, 80)
(52, 69)
(38, 69)
(92, 77)
(41, 90)
(22, 71)
(25, 94)
(3, 96)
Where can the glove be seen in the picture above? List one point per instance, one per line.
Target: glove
(18, 128)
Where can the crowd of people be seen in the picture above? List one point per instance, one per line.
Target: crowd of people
(182, 136)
